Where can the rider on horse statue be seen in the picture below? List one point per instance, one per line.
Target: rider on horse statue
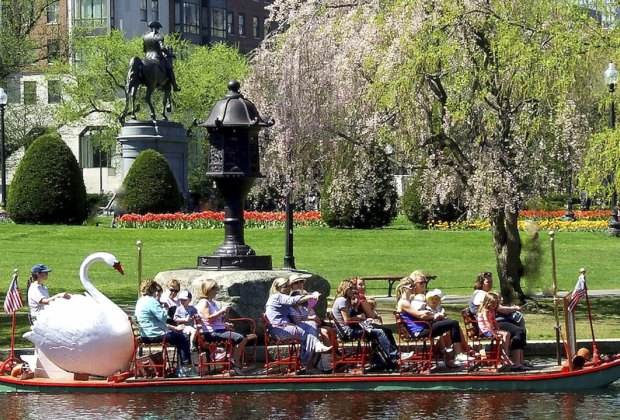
(153, 45)
(154, 72)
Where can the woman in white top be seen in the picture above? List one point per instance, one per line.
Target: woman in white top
(214, 327)
(38, 295)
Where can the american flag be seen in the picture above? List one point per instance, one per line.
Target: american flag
(580, 290)
(13, 300)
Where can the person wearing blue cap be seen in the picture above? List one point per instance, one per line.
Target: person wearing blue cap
(38, 295)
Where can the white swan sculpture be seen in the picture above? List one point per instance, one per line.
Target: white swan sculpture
(88, 333)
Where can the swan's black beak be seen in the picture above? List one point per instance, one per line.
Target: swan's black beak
(117, 266)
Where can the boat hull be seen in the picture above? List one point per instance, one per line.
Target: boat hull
(588, 378)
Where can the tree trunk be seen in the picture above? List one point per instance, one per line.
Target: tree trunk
(507, 244)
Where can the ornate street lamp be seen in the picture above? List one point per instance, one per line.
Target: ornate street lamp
(233, 163)
(3, 100)
(611, 78)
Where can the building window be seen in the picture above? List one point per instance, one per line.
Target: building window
(30, 92)
(143, 12)
(218, 23)
(177, 16)
(155, 10)
(230, 23)
(90, 156)
(91, 13)
(53, 91)
(241, 24)
(53, 12)
(191, 19)
(255, 32)
(53, 50)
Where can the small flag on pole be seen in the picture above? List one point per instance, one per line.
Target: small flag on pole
(13, 300)
(580, 290)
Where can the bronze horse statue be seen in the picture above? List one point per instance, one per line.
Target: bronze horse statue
(154, 72)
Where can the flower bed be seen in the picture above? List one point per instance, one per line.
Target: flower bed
(213, 220)
(586, 221)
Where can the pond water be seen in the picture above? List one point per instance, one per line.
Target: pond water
(599, 404)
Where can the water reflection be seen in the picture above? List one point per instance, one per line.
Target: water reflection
(600, 404)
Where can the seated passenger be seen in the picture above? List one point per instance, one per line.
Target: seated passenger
(303, 313)
(151, 318)
(184, 316)
(343, 312)
(366, 307)
(277, 312)
(38, 295)
(412, 310)
(484, 284)
(489, 327)
(214, 327)
(372, 304)
(433, 303)
(170, 299)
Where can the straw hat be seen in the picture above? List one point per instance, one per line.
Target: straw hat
(295, 277)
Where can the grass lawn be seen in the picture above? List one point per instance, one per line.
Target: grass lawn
(455, 257)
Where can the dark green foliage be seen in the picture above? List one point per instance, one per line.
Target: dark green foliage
(419, 213)
(149, 186)
(359, 189)
(412, 207)
(48, 187)
(550, 202)
(204, 193)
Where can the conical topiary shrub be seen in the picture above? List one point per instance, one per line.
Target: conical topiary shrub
(48, 186)
(149, 186)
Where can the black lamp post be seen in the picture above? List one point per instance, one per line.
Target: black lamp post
(3, 100)
(611, 78)
(289, 258)
(233, 163)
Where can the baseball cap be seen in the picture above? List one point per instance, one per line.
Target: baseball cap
(40, 268)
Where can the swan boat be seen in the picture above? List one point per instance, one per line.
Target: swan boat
(600, 372)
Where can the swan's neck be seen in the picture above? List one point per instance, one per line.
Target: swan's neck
(89, 287)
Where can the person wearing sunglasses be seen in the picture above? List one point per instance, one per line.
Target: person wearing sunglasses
(277, 312)
(169, 299)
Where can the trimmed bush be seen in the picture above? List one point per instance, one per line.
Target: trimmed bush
(359, 190)
(420, 213)
(149, 186)
(412, 207)
(48, 187)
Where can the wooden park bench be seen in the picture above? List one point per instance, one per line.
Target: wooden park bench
(390, 280)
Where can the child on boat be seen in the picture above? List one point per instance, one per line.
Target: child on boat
(488, 325)
(373, 307)
(184, 316)
(433, 303)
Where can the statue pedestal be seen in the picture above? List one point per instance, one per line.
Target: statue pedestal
(166, 137)
(247, 290)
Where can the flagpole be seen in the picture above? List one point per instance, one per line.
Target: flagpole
(555, 299)
(595, 357)
(9, 363)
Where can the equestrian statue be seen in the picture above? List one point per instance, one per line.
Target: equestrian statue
(154, 72)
